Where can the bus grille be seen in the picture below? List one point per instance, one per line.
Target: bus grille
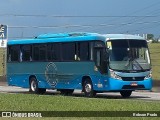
(133, 87)
(132, 78)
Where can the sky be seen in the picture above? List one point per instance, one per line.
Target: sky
(30, 18)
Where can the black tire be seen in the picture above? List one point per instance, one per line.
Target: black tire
(88, 88)
(126, 93)
(66, 91)
(34, 87)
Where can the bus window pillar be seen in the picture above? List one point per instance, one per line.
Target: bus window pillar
(21, 56)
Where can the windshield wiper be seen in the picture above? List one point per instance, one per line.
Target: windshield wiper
(134, 66)
(128, 62)
(137, 63)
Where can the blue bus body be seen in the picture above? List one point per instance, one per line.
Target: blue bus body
(71, 72)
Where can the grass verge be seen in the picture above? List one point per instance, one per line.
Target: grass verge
(32, 102)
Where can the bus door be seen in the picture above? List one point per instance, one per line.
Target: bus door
(100, 59)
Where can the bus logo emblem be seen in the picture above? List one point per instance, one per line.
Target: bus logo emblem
(51, 74)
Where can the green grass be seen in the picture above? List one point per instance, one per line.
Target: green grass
(32, 102)
(155, 59)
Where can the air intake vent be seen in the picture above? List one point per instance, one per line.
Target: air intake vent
(132, 78)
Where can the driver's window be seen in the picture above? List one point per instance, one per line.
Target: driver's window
(98, 58)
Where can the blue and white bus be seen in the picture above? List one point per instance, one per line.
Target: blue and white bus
(90, 62)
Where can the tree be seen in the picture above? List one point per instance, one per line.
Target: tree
(150, 37)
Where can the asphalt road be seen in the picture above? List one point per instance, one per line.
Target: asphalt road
(136, 95)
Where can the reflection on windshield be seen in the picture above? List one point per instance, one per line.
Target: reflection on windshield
(129, 55)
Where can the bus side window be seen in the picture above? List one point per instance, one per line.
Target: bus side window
(9, 58)
(42, 52)
(98, 58)
(83, 51)
(14, 53)
(26, 53)
(68, 51)
(53, 52)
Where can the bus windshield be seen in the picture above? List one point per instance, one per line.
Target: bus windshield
(128, 55)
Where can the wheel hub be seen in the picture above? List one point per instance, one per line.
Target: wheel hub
(88, 88)
(33, 86)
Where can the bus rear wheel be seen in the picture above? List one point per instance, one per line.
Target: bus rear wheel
(88, 89)
(34, 87)
(126, 93)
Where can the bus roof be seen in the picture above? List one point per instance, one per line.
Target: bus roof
(72, 37)
(122, 36)
(60, 37)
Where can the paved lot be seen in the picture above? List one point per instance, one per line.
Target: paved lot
(140, 95)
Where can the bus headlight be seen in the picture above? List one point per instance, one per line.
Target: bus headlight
(114, 75)
(149, 75)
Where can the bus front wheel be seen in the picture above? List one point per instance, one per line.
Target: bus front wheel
(34, 87)
(126, 93)
(88, 89)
